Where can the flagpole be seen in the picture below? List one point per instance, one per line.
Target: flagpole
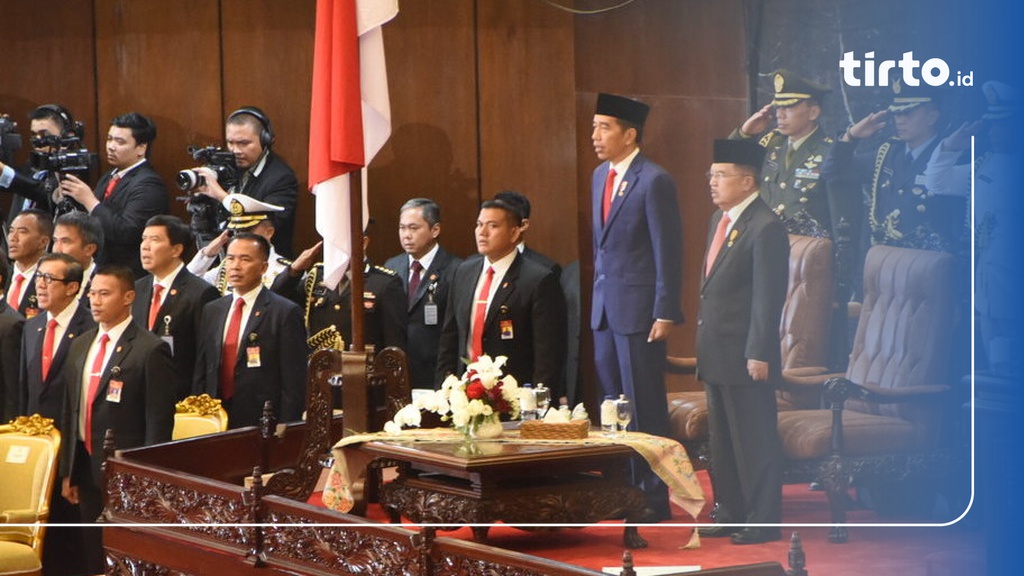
(357, 265)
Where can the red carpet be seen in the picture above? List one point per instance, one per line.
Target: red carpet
(878, 551)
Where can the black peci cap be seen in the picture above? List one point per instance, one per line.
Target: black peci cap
(741, 152)
(622, 108)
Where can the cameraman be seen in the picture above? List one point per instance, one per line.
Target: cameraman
(127, 196)
(263, 175)
(31, 187)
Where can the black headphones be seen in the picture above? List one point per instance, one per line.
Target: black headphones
(266, 132)
(69, 126)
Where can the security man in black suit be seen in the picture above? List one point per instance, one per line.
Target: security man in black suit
(743, 287)
(26, 243)
(11, 324)
(117, 379)
(127, 196)
(426, 270)
(252, 346)
(263, 175)
(44, 350)
(504, 304)
(169, 302)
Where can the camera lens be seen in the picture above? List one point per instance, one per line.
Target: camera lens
(188, 180)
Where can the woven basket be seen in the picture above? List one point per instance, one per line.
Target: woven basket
(538, 429)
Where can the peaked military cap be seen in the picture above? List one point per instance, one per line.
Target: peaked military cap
(906, 98)
(1003, 100)
(247, 211)
(791, 89)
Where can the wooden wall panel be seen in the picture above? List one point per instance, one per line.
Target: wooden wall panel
(47, 60)
(268, 63)
(161, 59)
(433, 147)
(527, 123)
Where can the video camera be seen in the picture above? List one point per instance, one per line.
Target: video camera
(221, 161)
(66, 155)
(10, 140)
(205, 211)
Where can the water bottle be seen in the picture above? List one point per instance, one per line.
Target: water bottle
(609, 416)
(543, 395)
(527, 402)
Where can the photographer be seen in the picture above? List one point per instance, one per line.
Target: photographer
(127, 196)
(54, 131)
(262, 175)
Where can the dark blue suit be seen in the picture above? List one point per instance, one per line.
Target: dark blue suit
(637, 277)
(436, 280)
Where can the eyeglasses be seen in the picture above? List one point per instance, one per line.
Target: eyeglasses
(719, 175)
(46, 278)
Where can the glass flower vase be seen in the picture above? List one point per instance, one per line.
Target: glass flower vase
(484, 427)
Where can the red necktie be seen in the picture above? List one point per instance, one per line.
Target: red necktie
(154, 306)
(609, 191)
(111, 184)
(51, 330)
(229, 352)
(480, 316)
(14, 298)
(716, 243)
(414, 282)
(94, 385)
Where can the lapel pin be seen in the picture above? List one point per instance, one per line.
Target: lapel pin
(257, 313)
(71, 336)
(732, 236)
(174, 291)
(118, 350)
(504, 285)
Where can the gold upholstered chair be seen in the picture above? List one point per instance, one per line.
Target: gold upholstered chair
(882, 420)
(29, 446)
(803, 330)
(198, 416)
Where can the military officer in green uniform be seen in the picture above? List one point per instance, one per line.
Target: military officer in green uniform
(791, 181)
(899, 208)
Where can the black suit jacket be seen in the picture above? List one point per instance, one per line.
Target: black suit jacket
(27, 307)
(179, 317)
(434, 286)
(11, 324)
(741, 299)
(46, 396)
(277, 184)
(145, 413)
(530, 299)
(275, 325)
(139, 195)
(542, 260)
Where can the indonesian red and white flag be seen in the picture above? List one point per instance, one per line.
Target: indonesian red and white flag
(350, 116)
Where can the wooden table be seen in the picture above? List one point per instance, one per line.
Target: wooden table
(452, 483)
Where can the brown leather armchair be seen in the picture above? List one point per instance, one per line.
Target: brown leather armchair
(805, 321)
(882, 420)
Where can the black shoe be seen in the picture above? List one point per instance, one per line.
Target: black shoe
(756, 536)
(717, 531)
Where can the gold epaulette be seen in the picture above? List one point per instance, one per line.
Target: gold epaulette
(284, 261)
(327, 339)
(767, 139)
(384, 270)
(883, 151)
(222, 279)
(312, 279)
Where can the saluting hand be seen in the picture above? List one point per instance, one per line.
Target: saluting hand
(759, 122)
(866, 127)
(306, 259)
(960, 140)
